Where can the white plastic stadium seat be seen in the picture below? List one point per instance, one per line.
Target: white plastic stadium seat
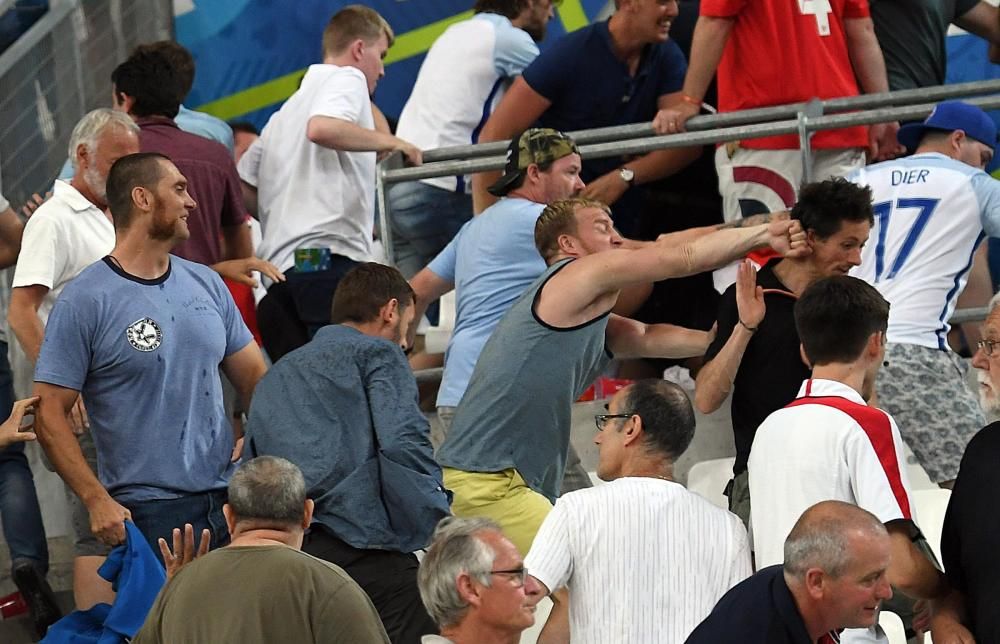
(709, 479)
(930, 510)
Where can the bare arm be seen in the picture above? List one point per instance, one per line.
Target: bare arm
(428, 287)
(338, 134)
(556, 629)
(948, 617)
(245, 368)
(909, 570)
(520, 107)
(10, 237)
(589, 285)
(869, 67)
(715, 380)
(236, 241)
(707, 44)
(250, 199)
(982, 20)
(629, 338)
(22, 315)
(107, 517)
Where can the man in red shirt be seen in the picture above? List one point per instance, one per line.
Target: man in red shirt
(774, 53)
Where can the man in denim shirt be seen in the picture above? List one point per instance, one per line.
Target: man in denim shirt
(344, 409)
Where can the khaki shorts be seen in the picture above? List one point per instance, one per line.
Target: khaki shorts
(501, 496)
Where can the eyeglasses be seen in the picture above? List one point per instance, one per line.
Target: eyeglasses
(601, 420)
(987, 346)
(517, 574)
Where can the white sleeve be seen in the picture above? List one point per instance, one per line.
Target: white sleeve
(878, 476)
(43, 253)
(550, 560)
(4, 204)
(249, 165)
(987, 191)
(344, 95)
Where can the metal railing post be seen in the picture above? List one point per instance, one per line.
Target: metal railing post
(393, 162)
(810, 110)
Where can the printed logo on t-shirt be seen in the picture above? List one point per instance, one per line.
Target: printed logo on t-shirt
(144, 335)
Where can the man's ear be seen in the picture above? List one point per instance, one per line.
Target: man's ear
(633, 429)
(815, 581)
(467, 589)
(389, 311)
(307, 513)
(82, 155)
(568, 244)
(874, 346)
(357, 49)
(141, 198)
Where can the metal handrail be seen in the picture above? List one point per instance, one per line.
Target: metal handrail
(650, 143)
(742, 117)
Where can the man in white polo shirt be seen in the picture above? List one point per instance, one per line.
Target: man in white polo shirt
(689, 551)
(828, 444)
(315, 177)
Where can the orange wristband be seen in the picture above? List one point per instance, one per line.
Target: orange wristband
(690, 100)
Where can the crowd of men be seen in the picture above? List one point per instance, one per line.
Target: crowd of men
(287, 435)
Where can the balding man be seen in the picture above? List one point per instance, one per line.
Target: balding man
(833, 577)
(594, 539)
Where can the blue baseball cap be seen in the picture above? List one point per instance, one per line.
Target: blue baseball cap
(949, 116)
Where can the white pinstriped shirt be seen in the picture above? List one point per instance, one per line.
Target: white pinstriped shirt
(644, 559)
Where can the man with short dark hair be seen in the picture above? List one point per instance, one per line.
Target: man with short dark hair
(474, 584)
(142, 335)
(835, 575)
(505, 454)
(932, 211)
(593, 539)
(274, 592)
(344, 409)
(755, 354)
(313, 176)
(829, 444)
(149, 88)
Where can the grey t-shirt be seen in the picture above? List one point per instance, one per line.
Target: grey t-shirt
(516, 411)
(912, 36)
(262, 594)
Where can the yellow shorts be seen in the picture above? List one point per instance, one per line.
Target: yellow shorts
(501, 496)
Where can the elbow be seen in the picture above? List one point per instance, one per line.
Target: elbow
(704, 403)
(315, 131)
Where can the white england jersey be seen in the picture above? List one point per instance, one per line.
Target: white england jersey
(930, 216)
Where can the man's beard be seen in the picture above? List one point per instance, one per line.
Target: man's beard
(97, 184)
(988, 399)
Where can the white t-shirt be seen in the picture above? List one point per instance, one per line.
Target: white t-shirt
(644, 559)
(4, 204)
(309, 196)
(807, 453)
(930, 214)
(64, 236)
(463, 77)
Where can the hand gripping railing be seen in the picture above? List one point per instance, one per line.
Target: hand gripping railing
(801, 119)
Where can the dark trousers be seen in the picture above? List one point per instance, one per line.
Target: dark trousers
(389, 578)
(157, 519)
(294, 310)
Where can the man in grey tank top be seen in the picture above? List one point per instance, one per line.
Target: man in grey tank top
(505, 453)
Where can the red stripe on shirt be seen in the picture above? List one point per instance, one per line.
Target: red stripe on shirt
(877, 427)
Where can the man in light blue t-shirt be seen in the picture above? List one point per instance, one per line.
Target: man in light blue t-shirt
(141, 334)
(493, 258)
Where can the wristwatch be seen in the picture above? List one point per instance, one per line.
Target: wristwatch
(627, 175)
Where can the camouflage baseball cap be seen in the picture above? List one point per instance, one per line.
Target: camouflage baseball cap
(538, 145)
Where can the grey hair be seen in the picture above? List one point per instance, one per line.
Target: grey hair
(455, 549)
(821, 538)
(93, 123)
(993, 303)
(269, 490)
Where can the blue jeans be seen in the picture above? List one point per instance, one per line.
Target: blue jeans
(19, 512)
(156, 519)
(424, 219)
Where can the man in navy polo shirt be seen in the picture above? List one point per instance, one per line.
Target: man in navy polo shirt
(639, 69)
(833, 577)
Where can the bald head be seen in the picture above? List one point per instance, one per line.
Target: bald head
(824, 535)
